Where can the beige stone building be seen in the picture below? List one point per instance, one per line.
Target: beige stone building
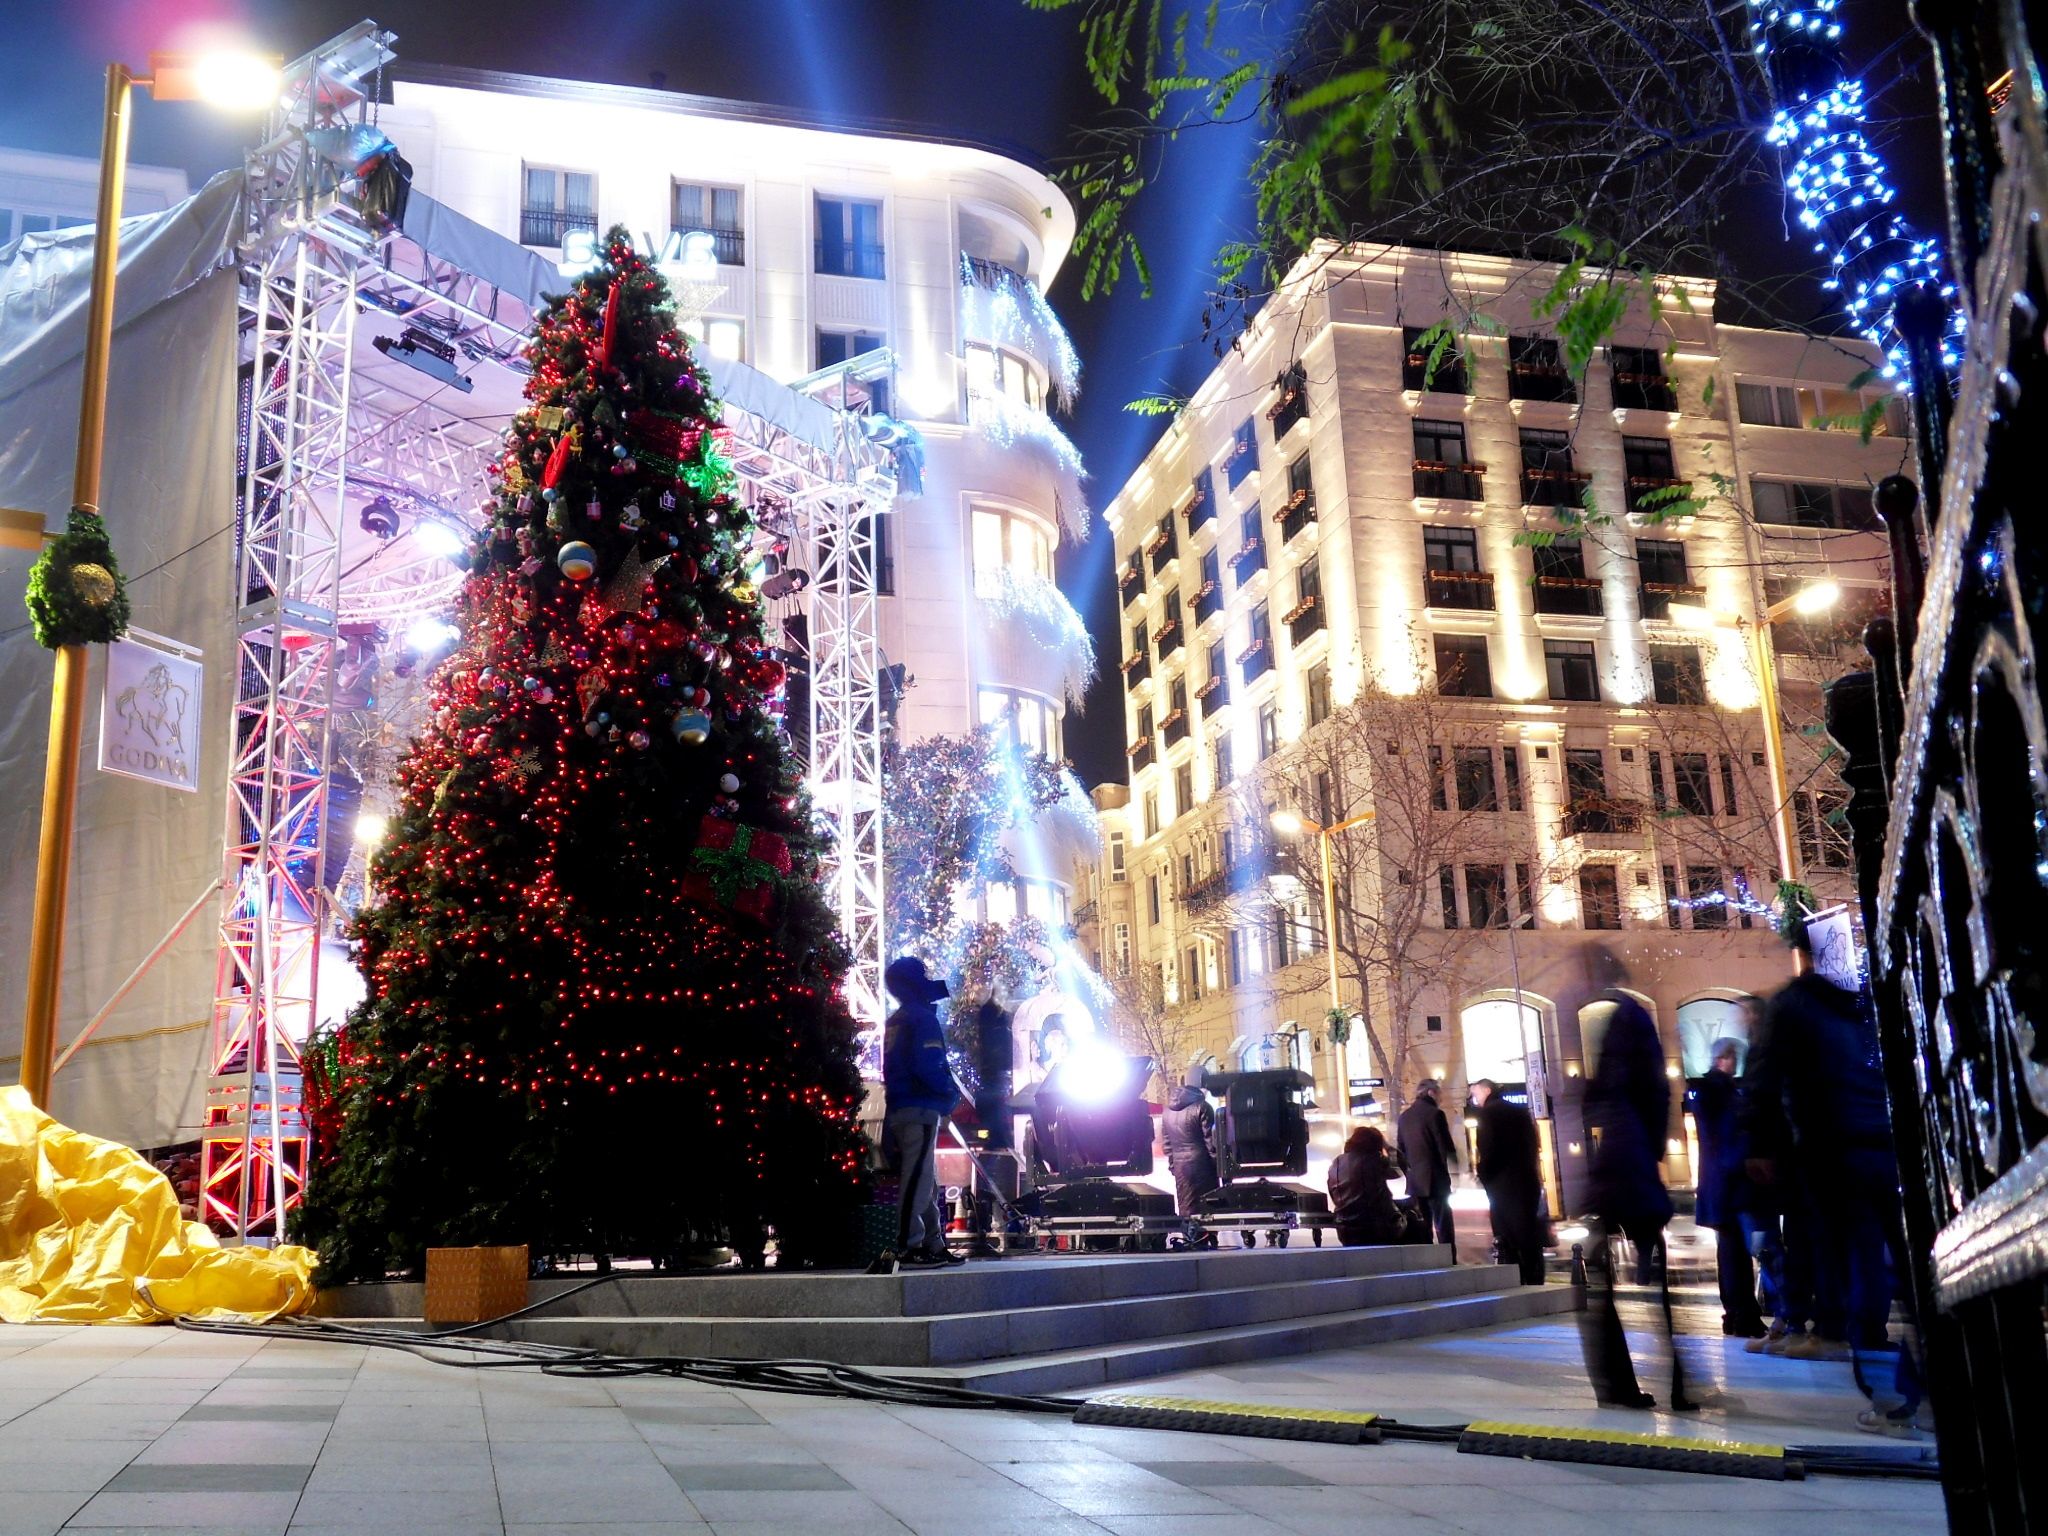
(1346, 592)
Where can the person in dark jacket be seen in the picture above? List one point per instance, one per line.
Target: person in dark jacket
(995, 1163)
(1723, 1204)
(919, 1091)
(1628, 1115)
(1360, 1201)
(1188, 1127)
(1428, 1154)
(1508, 1155)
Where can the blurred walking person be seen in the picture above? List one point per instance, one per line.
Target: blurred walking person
(1508, 1156)
(1428, 1155)
(1628, 1116)
(1188, 1128)
(1724, 1195)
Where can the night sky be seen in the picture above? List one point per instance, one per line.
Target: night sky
(982, 69)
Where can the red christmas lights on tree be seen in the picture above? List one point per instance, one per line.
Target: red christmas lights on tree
(604, 1009)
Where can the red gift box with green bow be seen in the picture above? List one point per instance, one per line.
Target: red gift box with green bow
(736, 866)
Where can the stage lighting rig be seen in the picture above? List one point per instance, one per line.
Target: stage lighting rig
(429, 354)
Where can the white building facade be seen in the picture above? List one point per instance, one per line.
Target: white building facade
(40, 192)
(875, 269)
(1345, 509)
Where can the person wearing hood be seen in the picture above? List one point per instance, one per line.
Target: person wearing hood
(1189, 1130)
(1360, 1201)
(919, 1091)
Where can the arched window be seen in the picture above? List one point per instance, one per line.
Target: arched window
(1500, 1037)
(1701, 1022)
(1012, 541)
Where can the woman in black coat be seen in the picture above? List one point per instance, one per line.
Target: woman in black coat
(1359, 1198)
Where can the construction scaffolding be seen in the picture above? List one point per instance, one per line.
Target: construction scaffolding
(348, 452)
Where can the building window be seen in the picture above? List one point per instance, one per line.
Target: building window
(1676, 675)
(1536, 370)
(718, 335)
(1462, 669)
(1649, 468)
(1639, 381)
(1693, 783)
(1796, 504)
(1729, 806)
(1511, 776)
(996, 373)
(1292, 406)
(1486, 896)
(713, 211)
(1243, 456)
(1438, 364)
(1299, 510)
(1705, 896)
(1816, 406)
(1451, 577)
(1191, 976)
(1237, 957)
(1450, 549)
(1525, 897)
(1599, 896)
(1316, 693)
(1152, 897)
(1665, 577)
(1447, 893)
(1822, 816)
(849, 238)
(1562, 585)
(1472, 767)
(1026, 720)
(1548, 476)
(1219, 759)
(1256, 659)
(1183, 788)
(1571, 671)
(555, 202)
(1123, 949)
(1306, 617)
(1151, 813)
(1117, 870)
(1216, 686)
(1441, 468)
(1009, 542)
(1585, 776)
(1269, 729)
(1658, 798)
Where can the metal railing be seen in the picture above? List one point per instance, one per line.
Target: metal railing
(548, 226)
(844, 258)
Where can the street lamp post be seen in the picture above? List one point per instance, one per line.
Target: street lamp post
(1814, 598)
(228, 81)
(1293, 824)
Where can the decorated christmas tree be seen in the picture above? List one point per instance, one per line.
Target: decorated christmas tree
(604, 1010)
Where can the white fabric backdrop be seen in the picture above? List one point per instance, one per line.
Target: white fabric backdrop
(143, 852)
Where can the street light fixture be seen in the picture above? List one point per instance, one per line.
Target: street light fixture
(224, 81)
(1814, 598)
(1292, 824)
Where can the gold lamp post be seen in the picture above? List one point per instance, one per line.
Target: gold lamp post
(1814, 598)
(231, 81)
(1292, 824)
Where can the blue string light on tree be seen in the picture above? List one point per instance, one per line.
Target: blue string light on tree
(1840, 182)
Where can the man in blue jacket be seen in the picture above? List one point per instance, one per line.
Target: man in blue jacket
(918, 1093)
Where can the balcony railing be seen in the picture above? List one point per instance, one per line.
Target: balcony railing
(1249, 560)
(1643, 492)
(1175, 727)
(1448, 378)
(1541, 381)
(1208, 601)
(1201, 506)
(1658, 596)
(1449, 482)
(1171, 635)
(547, 226)
(837, 258)
(1569, 596)
(1459, 589)
(1299, 512)
(1304, 618)
(1137, 669)
(988, 274)
(1598, 816)
(1142, 753)
(1643, 392)
(1213, 694)
(1256, 659)
(729, 246)
(1553, 487)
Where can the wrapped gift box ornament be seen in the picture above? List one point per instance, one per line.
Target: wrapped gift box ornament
(737, 866)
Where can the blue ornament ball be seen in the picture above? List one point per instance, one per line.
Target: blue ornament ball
(691, 725)
(577, 560)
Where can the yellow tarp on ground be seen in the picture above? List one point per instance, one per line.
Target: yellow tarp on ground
(91, 1233)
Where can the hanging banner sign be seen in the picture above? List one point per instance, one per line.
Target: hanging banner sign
(149, 713)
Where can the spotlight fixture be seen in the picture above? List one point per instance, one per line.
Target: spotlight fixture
(785, 583)
(429, 354)
(430, 634)
(379, 517)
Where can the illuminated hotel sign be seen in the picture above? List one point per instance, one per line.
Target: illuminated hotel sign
(681, 258)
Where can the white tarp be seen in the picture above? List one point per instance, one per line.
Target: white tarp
(143, 852)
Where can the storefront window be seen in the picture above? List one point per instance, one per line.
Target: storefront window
(1701, 1022)
(1500, 1037)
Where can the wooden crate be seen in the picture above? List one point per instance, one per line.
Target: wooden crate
(473, 1285)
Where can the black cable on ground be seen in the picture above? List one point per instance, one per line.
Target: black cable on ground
(824, 1378)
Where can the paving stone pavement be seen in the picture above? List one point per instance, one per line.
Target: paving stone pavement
(111, 1430)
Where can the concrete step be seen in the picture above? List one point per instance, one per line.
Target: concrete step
(1072, 1370)
(1022, 1328)
(1004, 1284)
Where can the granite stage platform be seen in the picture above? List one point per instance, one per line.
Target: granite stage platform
(1039, 1323)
